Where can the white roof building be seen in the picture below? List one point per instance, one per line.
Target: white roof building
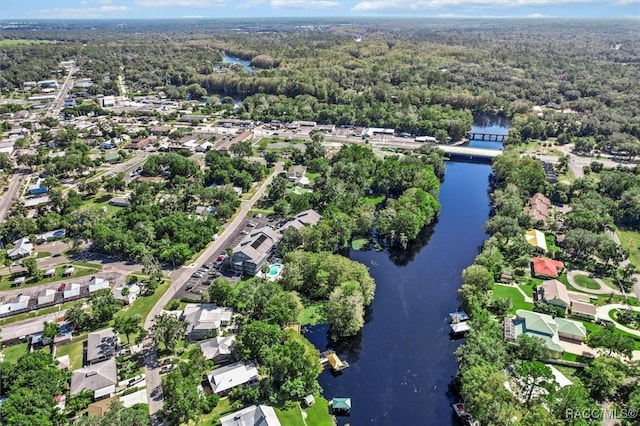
(226, 378)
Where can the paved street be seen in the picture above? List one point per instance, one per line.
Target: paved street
(178, 278)
(10, 194)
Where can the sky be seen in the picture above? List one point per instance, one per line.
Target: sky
(160, 9)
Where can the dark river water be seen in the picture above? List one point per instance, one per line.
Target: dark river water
(488, 124)
(402, 362)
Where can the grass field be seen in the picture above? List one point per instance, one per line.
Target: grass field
(529, 286)
(505, 292)
(586, 282)
(316, 415)
(630, 240)
(74, 350)
(10, 42)
(14, 352)
(311, 315)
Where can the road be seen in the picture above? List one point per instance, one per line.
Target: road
(178, 278)
(56, 107)
(20, 329)
(10, 194)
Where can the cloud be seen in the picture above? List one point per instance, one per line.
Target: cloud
(82, 13)
(305, 4)
(179, 3)
(370, 5)
(250, 4)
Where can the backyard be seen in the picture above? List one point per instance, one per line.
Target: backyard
(509, 292)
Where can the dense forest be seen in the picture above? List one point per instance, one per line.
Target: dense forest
(426, 78)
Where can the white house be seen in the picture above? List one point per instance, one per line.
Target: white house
(97, 283)
(223, 379)
(254, 415)
(21, 248)
(72, 290)
(131, 295)
(205, 319)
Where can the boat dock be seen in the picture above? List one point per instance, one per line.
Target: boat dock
(331, 358)
(459, 316)
(459, 329)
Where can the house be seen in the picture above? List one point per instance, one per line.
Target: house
(101, 378)
(583, 310)
(21, 248)
(193, 119)
(119, 201)
(46, 297)
(240, 138)
(254, 250)
(538, 208)
(72, 290)
(546, 268)
(223, 379)
(201, 210)
(302, 219)
(254, 415)
(296, 172)
(536, 238)
(553, 292)
(51, 272)
(38, 190)
(552, 331)
(63, 362)
(101, 345)
(17, 304)
(161, 130)
(132, 291)
(18, 281)
(56, 234)
(97, 283)
(68, 271)
(218, 349)
(204, 320)
(36, 201)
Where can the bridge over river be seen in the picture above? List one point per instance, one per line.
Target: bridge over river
(469, 153)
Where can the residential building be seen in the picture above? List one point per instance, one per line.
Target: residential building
(546, 268)
(101, 378)
(21, 248)
(537, 239)
(223, 379)
(254, 250)
(119, 201)
(553, 292)
(97, 283)
(296, 172)
(46, 297)
(204, 320)
(101, 345)
(128, 293)
(552, 331)
(302, 219)
(254, 415)
(218, 349)
(583, 310)
(538, 208)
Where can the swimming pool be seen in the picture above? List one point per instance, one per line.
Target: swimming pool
(274, 270)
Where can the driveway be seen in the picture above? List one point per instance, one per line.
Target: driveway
(602, 312)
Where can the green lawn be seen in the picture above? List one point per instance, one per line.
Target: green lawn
(312, 315)
(311, 176)
(225, 406)
(14, 352)
(74, 350)
(505, 292)
(529, 286)
(42, 254)
(586, 282)
(263, 212)
(142, 305)
(630, 240)
(570, 372)
(317, 414)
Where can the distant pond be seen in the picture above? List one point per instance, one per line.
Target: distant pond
(244, 62)
(402, 361)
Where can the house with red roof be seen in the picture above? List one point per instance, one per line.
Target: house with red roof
(546, 268)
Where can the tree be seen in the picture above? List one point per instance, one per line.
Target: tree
(77, 317)
(168, 330)
(603, 376)
(181, 399)
(255, 338)
(529, 348)
(31, 265)
(242, 149)
(118, 415)
(573, 399)
(221, 292)
(534, 376)
(128, 325)
(50, 331)
(278, 188)
(103, 306)
(485, 396)
(615, 341)
(345, 310)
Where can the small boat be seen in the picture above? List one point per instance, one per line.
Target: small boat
(462, 414)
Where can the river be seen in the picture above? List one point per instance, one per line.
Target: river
(402, 361)
(244, 62)
(488, 124)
